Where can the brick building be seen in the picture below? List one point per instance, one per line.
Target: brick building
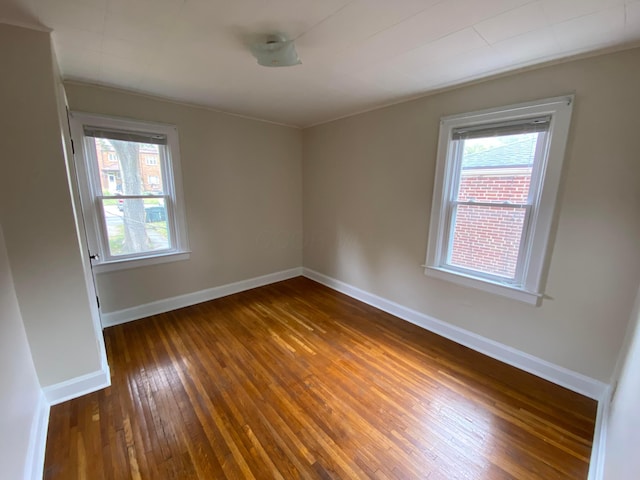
(111, 173)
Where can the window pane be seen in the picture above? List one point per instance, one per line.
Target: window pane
(128, 168)
(487, 239)
(136, 225)
(497, 169)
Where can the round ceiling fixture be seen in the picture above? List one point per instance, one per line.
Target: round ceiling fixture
(276, 51)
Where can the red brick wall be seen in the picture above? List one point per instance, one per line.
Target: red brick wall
(150, 170)
(488, 238)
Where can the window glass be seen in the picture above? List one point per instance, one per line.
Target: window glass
(127, 162)
(132, 225)
(487, 239)
(493, 170)
(135, 225)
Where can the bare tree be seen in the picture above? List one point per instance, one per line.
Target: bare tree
(135, 235)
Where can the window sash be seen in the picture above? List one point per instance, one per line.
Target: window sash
(448, 243)
(103, 235)
(94, 166)
(96, 192)
(106, 250)
(124, 197)
(490, 204)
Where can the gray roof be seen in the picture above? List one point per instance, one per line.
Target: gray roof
(516, 154)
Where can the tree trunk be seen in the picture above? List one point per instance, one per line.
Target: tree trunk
(135, 235)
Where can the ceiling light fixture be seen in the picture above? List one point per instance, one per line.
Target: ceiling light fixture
(276, 51)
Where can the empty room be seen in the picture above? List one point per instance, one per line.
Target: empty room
(320, 239)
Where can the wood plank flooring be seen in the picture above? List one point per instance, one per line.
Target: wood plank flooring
(294, 380)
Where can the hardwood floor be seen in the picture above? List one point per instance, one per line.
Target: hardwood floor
(294, 380)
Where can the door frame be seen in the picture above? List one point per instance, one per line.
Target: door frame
(89, 274)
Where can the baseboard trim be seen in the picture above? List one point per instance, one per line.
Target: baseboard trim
(564, 377)
(598, 448)
(34, 467)
(78, 386)
(166, 305)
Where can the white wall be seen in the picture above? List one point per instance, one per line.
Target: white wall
(21, 393)
(623, 433)
(367, 188)
(36, 213)
(242, 183)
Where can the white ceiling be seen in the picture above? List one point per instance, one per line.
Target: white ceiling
(356, 54)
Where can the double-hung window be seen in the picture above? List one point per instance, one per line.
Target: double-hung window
(130, 186)
(496, 182)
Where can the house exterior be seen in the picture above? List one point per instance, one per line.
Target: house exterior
(111, 170)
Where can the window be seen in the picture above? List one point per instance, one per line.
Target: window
(129, 223)
(151, 160)
(496, 181)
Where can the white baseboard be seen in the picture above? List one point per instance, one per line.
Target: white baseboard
(564, 377)
(34, 467)
(76, 387)
(166, 305)
(596, 463)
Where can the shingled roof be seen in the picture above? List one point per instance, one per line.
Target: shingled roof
(516, 154)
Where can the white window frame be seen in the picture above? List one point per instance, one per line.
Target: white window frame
(533, 258)
(91, 193)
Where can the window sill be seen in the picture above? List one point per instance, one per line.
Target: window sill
(508, 291)
(115, 265)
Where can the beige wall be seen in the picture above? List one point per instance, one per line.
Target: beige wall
(242, 186)
(368, 180)
(623, 432)
(36, 213)
(20, 387)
